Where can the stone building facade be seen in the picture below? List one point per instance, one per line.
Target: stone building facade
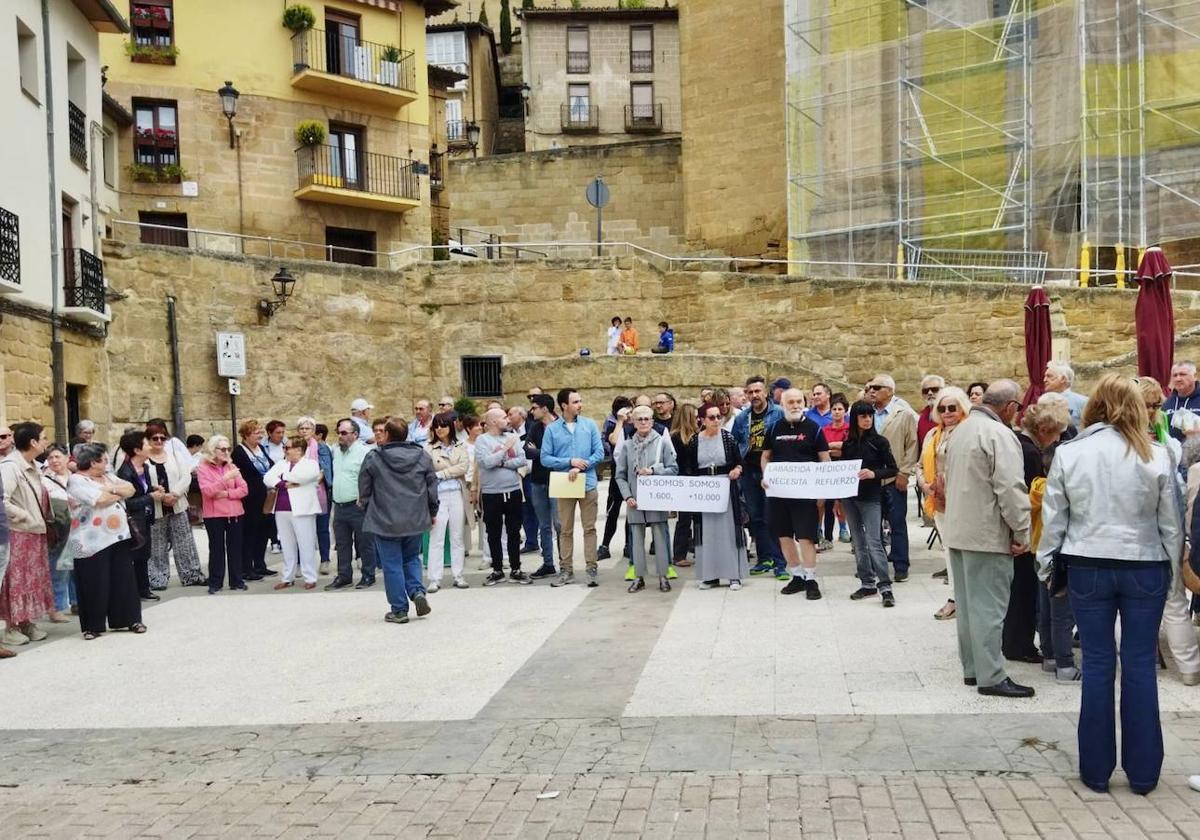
(360, 73)
(735, 158)
(469, 49)
(600, 75)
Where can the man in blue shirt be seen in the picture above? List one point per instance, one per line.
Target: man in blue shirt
(666, 339)
(572, 445)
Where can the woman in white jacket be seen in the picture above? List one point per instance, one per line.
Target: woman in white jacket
(171, 531)
(450, 462)
(297, 506)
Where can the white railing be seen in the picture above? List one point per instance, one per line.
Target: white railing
(271, 247)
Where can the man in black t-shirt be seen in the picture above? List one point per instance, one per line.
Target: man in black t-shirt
(795, 438)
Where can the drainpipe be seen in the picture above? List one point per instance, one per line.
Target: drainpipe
(177, 393)
(57, 375)
(94, 186)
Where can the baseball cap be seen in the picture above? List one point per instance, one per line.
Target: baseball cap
(781, 382)
(360, 405)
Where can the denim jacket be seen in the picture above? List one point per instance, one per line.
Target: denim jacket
(560, 445)
(741, 426)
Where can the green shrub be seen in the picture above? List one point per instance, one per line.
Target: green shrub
(466, 405)
(299, 18)
(310, 133)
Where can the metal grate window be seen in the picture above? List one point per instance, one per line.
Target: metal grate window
(10, 247)
(481, 376)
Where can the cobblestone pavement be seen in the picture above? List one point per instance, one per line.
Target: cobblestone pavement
(517, 712)
(870, 806)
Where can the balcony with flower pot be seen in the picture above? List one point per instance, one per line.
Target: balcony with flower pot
(334, 175)
(381, 74)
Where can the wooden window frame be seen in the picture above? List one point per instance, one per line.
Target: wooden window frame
(143, 31)
(587, 33)
(648, 27)
(159, 140)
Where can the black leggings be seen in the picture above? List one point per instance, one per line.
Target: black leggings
(502, 516)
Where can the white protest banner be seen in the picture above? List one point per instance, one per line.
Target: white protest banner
(812, 480)
(690, 493)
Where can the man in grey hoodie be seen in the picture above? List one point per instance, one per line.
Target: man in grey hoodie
(398, 487)
(499, 455)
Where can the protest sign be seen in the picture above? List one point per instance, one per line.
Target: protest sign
(812, 480)
(690, 493)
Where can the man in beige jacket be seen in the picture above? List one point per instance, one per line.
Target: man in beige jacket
(896, 421)
(986, 524)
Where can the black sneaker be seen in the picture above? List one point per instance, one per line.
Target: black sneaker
(396, 618)
(422, 604)
(266, 572)
(338, 583)
(520, 577)
(812, 591)
(365, 583)
(889, 600)
(794, 585)
(544, 572)
(493, 579)
(602, 553)
(900, 577)
(863, 592)
(940, 574)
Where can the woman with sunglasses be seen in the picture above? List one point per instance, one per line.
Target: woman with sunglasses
(864, 512)
(296, 507)
(317, 451)
(719, 538)
(222, 489)
(646, 453)
(450, 464)
(253, 460)
(952, 407)
(171, 532)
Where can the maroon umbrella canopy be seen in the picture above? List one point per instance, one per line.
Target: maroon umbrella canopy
(1154, 318)
(1037, 341)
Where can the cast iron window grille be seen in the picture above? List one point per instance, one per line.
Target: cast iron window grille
(85, 281)
(77, 133)
(481, 376)
(10, 247)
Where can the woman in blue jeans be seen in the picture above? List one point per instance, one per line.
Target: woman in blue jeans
(1110, 518)
(864, 511)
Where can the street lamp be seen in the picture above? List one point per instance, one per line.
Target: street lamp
(229, 99)
(282, 284)
(473, 137)
(525, 91)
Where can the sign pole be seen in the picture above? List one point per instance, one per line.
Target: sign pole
(599, 229)
(232, 418)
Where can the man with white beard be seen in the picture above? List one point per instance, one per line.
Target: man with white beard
(795, 438)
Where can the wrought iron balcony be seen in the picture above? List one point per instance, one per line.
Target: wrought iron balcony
(579, 62)
(329, 63)
(83, 289)
(641, 61)
(456, 133)
(647, 118)
(580, 118)
(333, 175)
(77, 134)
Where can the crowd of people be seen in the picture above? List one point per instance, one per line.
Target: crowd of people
(1038, 545)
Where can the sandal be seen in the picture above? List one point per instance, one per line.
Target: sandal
(684, 562)
(946, 612)
(284, 584)
(138, 628)
(88, 635)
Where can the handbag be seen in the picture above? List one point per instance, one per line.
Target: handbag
(137, 530)
(52, 533)
(269, 501)
(1191, 580)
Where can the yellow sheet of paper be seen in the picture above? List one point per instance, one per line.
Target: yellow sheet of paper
(561, 487)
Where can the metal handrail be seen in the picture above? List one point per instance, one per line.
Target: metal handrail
(364, 61)
(586, 250)
(333, 166)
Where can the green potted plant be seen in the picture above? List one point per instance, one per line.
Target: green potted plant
(299, 18)
(172, 173)
(310, 134)
(142, 173)
(389, 66)
(146, 54)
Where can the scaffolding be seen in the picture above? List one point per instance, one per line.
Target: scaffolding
(991, 139)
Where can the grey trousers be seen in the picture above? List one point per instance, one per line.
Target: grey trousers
(863, 519)
(662, 545)
(981, 586)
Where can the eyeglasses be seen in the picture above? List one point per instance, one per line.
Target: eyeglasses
(220, 448)
(158, 438)
(643, 419)
(6, 437)
(712, 416)
(875, 387)
(1153, 406)
(445, 405)
(930, 390)
(658, 402)
(947, 409)
(345, 431)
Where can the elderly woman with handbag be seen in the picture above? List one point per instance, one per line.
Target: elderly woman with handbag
(25, 593)
(99, 542)
(139, 507)
(294, 484)
(55, 476)
(646, 453)
(222, 489)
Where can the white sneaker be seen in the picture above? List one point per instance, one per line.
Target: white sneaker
(35, 633)
(433, 587)
(460, 583)
(14, 638)
(1194, 782)
(735, 585)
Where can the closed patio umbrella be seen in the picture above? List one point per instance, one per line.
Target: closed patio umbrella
(1154, 318)
(1037, 341)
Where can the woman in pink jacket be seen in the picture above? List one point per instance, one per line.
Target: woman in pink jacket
(222, 489)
